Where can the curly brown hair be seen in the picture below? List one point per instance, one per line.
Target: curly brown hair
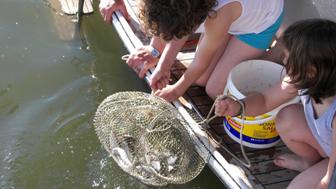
(312, 57)
(170, 19)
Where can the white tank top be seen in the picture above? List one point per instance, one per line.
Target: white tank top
(320, 127)
(256, 16)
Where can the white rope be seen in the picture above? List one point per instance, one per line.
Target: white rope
(247, 162)
(125, 57)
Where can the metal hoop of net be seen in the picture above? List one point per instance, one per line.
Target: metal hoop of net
(147, 138)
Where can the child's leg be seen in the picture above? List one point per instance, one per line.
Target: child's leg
(294, 132)
(235, 52)
(309, 178)
(202, 81)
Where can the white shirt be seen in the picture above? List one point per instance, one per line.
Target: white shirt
(256, 16)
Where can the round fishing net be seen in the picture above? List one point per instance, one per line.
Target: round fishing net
(147, 137)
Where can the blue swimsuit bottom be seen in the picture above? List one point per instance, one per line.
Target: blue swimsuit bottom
(263, 39)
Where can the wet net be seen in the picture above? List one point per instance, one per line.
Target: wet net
(147, 137)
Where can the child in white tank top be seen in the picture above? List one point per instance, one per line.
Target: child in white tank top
(308, 129)
(234, 31)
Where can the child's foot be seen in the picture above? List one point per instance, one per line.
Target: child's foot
(292, 162)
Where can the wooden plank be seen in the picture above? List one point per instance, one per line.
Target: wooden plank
(196, 91)
(278, 176)
(203, 109)
(70, 7)
(279, 185)
(202, 100)
(265, 154)
(219, 128)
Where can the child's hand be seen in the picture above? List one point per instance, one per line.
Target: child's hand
(107, 7)
(160, 78)
(227, 107)
(141, 60)
(168, 93)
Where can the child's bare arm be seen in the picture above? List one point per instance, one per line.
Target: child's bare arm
(216, 34)
(260, 103)
(161, 75)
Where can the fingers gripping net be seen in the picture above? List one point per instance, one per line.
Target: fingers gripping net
(147, 138)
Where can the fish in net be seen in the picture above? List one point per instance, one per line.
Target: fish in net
(147, 138)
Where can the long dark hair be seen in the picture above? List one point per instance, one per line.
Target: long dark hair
(312, 57)
(170, 19)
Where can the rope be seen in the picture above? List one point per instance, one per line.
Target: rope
(125, 57)
(247, 162)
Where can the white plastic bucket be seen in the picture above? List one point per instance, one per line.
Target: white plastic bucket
(248, 77)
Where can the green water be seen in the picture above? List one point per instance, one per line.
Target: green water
(51, 82)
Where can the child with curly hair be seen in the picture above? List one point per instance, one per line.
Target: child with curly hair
(308, 129)
(233, 31)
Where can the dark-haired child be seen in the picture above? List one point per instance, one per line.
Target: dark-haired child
(308, 129)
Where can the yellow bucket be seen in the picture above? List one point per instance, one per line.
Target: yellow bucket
(248, 77)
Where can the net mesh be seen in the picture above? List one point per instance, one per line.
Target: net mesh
(147, 137)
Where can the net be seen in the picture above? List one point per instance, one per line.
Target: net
(147, 137)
